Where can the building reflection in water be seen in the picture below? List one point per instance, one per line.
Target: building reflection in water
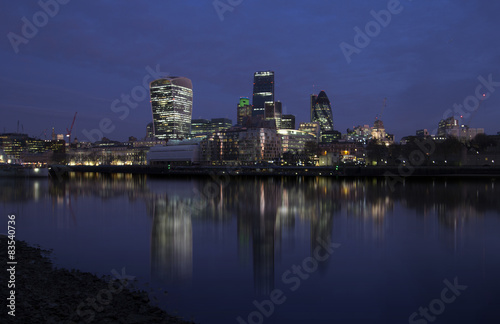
(267, 211)
(171, 240)
(171, 207)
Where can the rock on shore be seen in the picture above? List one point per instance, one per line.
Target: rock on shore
(44, 294)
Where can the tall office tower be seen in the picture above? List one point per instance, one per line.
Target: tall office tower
(287, 122)
(172, 105)
(312, 104)
(263, 91)
(273, 112)
(244, 110)
(321, 112)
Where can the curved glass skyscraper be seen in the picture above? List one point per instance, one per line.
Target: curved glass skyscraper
(321, 112)
(172, 105)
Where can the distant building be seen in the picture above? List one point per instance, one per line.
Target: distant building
(18, 145)
(218, 124)
(287, 122)
(321, 112)
(200, 127)
(244, 110)
(172, 105)
(205, 126)
(263, 91)
(294, 141)
(150, 131)
(312, 106)
(273, 112)
(330, 136)
(360, 134)
(422, 133)
(311, 128)
(450, 127)
(379, 134)
(258, 145)
(181, 153)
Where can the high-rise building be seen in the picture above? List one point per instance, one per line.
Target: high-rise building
(273, 112)
(312, 105)
(244, 110)
(287, 122)
(172, 106)
(321, 112)
(263, 91)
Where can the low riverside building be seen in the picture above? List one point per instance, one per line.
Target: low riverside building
(294, 141)
(185, 152)
(111, 155)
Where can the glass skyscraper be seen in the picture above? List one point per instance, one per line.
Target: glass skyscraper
(172, 105)
(321, 112)
(263, 91)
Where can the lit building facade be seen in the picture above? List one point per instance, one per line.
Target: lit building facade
(219, 124)
(149, 131)
(244, 110)
(451, 127)
(294, 141)
(311, 128)
(273, 112)
(263, 91)
(288, 122)
(205, 126)
(259, 145)
(200, 127)
(172, 106)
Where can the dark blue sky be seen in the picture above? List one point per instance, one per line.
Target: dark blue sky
(425, 60)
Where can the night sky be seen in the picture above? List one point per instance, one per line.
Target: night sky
(427, 58)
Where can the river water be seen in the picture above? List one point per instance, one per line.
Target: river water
(278, 250)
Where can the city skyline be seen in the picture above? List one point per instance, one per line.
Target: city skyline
(423, 80)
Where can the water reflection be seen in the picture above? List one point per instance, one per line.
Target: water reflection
(171, 240)
(266, 211)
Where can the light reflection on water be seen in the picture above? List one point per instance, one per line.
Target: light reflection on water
(218, 244)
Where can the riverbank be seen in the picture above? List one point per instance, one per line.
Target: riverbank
(341, 171)
(44, 294)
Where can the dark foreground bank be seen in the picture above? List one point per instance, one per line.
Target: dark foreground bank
(44, 294)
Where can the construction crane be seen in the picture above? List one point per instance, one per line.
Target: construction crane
(382, 110)
(44, 132)
(68, 135)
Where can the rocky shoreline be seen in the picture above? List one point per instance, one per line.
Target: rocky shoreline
(45, 294)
